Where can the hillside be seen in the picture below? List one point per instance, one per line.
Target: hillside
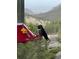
(52, 14)
(28, 12)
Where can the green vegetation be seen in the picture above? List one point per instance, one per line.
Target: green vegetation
(53, 27)
(52, 53)
(39, 49)
(33, 51)
(32, 27)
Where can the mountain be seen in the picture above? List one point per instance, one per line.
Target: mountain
(28, 12)
(53, 14)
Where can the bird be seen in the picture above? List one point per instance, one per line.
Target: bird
(42, 32)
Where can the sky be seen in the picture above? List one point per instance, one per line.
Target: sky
(40, 6)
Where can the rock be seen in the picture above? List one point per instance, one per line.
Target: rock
(56, 44)
(53, 41)
(58, 55)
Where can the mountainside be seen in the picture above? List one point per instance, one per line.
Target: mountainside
(51, 15)
(28, 12)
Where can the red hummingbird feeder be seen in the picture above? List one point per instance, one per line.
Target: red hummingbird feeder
(24, 34)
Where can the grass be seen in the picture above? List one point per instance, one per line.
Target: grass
(33, 50)
(52, 53)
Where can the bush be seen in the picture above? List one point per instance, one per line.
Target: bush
(52, 53)
(53, 26)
